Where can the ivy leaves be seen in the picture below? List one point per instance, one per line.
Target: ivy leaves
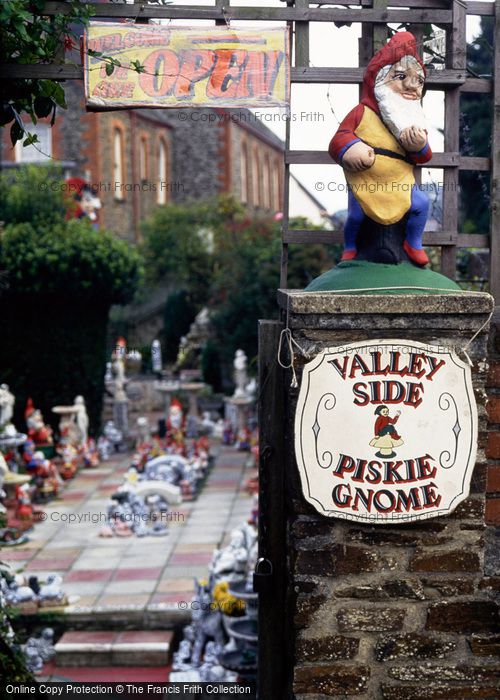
(28, 37)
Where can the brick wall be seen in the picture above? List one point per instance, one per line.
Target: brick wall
(405, 612)
(243, 137)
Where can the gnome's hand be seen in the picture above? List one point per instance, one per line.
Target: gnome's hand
(358, 157)
(413, 138)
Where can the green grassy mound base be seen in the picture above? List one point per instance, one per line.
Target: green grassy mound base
(375, 278)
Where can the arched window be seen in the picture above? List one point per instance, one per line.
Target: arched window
(244, 173)
(162, 184)
(143, 158)
(276, 185)
(255, 177)
(266, 183)
(118, 174)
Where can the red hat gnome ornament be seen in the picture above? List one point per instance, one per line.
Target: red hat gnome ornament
(85, 202)
(378, 144)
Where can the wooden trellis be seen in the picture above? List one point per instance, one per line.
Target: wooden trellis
(453, 80)
(449, 15)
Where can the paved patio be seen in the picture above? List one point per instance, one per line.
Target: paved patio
(133, 574)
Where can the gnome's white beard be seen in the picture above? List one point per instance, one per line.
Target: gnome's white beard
(396, 111)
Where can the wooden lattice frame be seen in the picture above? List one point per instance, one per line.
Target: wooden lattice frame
(374, 15)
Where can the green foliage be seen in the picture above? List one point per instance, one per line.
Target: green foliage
(475, 133)
(178, 316)
(32, 193)
(68, 258)
(239, 256)
(60, 279)
(42, 253)
(175, 251)
(210, 366)
(30, 38)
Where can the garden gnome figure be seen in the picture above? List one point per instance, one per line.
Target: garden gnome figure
(378, 144)
(40, 433)
(85, 203)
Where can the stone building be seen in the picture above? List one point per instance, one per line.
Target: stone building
(140, 158)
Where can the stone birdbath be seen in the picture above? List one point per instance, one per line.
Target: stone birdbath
(192, 389)
(14, 439)
(67, 424)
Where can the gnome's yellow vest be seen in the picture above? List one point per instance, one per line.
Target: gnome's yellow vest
(384, 190)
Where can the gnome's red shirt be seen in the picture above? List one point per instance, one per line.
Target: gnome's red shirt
(382, 422)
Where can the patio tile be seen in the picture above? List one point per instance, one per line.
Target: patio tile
(84, 637)
(190, 558)
(88, 575)
(170, 599)
(97, 563)
(122, 601)
(193, 547)
(51, 552)
(122, 587)
(175, 585)
(83, 588)
(133, 574)
(184, 572)
(130, 573)
(13, 555)
(71, 494)
(50, 564)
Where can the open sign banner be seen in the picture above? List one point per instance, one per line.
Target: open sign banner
(185, 67)
(386, 432)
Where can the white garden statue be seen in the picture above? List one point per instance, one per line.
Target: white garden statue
(240, 374)
(7, 401)
(81, 419)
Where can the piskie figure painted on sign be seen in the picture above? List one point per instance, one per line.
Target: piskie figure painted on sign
(378, 144)
(386, 435)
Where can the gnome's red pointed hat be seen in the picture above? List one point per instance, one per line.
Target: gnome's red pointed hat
(401, 44)
(176, 404)
(29, 408)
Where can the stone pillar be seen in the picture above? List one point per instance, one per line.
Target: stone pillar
(382, 611)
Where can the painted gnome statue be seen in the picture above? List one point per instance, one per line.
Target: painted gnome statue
(378, 144)
(84, 203)
(38, 431)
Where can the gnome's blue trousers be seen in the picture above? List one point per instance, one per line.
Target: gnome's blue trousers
(417, 216)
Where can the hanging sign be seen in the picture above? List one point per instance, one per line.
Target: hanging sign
(386, 432)
(163, 66)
